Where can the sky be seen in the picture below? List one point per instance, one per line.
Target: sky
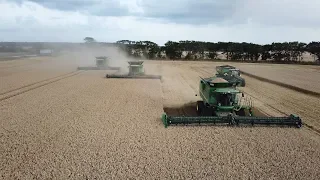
(257, 21)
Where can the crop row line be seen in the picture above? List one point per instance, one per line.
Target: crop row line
(29, 87)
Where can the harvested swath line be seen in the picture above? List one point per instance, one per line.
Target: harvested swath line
(203, 71)
(3, 93)
(315, 129)
(10, 58)
(14, 66)
(21, 91)
(295, 88)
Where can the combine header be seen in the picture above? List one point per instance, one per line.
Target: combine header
(102, 63)
(136, 71)
(231, 74)
(223, 103)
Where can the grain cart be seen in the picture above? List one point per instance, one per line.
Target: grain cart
(136, 71)
(102, 63)
(223, 103)
(231, 74)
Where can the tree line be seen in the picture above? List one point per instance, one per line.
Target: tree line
(285, 52)
(193, 50)
(34, 47)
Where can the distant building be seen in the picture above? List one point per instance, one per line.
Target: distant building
(26, 47)
(46, 52)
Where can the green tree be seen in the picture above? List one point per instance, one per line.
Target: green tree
(152, 49)
(254, 51)
(277, 51)
(295, 50)
(89, 40)
(266, 49)
(173, 50)
(314, 48)
(126, 46)
(213, 55)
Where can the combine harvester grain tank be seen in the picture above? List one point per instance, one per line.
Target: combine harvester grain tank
(223, 103)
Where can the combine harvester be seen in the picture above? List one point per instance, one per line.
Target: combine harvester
(231, 74)
(102, 63)
(223, 103)
(136, 71)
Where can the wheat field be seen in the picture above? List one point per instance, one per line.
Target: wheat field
(58, 123)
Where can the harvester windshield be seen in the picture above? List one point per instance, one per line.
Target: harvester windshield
(226, 99)
(235, 72)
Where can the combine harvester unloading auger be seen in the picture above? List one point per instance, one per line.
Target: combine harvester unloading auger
(222, 103)
(136, 71)
(102, 63)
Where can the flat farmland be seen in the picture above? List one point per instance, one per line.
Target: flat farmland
(82, 126)
(305, 77)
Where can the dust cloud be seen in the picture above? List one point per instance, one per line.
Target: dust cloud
(86, 55)
(69, 58)
(83, 55)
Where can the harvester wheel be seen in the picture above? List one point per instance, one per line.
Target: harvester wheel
(200, 107)
(241, 112)
(207, 111)
(243, 83)
(299, 125)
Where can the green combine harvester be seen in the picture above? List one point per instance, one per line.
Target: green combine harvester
(136, 71)
(102, 63)
(231, 74)
(223, 103)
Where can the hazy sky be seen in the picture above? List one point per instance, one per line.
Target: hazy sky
(258, 21)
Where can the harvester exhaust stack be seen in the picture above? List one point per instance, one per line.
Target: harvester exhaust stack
(136, 71)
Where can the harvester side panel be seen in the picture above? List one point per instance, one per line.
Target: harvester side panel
(204, 91)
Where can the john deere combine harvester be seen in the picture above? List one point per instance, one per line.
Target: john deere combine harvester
(231, 74)
(136, 71)
(223, 103)
(102, 63)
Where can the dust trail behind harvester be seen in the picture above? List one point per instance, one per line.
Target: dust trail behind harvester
(85, 56)
(71, 57)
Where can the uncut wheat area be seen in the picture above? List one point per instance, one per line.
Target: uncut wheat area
(85, 126)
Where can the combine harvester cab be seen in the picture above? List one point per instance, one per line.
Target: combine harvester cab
(102, 63)
(231, 74)
(223, 103)
(136, 71)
